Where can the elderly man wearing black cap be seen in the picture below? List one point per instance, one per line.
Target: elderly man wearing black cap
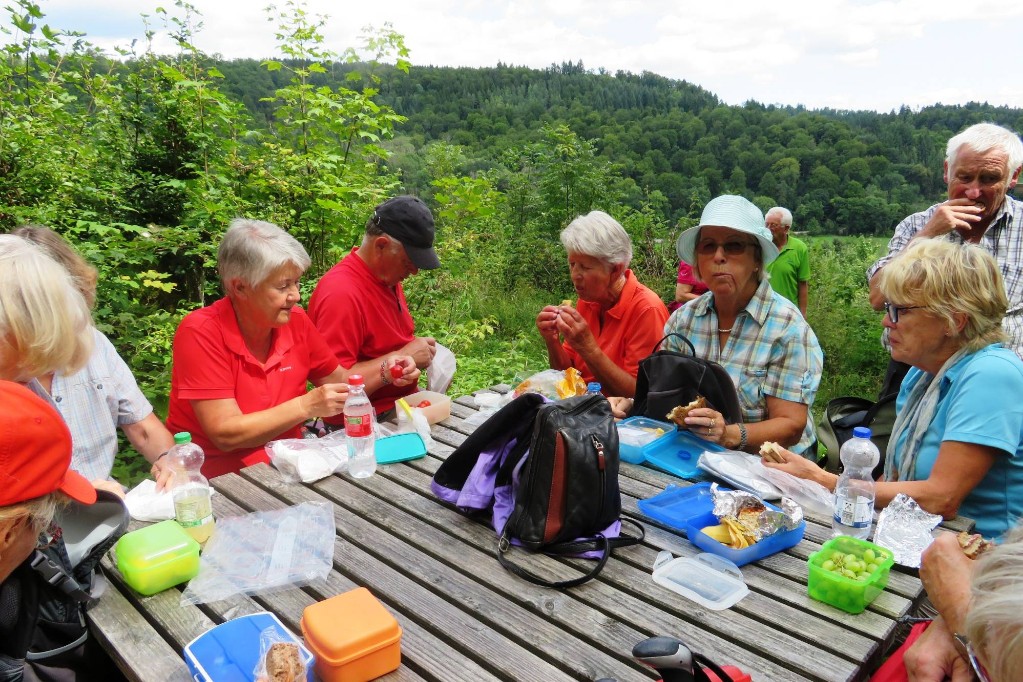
(359, 305)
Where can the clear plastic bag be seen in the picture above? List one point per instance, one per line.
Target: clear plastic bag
(554, 384)
(264, 551)
(810, 494)
(309, 459)
(280, 658)
(417, 423)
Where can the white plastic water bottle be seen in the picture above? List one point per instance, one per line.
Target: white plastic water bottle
(362, 459)
(193, 508)
(854, 492)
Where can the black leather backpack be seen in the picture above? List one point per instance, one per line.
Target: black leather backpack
(559, 460)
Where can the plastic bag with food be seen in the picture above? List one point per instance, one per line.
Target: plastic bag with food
(308, 459)
(280, 659)
(555, 384)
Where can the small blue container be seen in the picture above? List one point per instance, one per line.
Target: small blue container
(680, 453)
(691, 509)
(638, 435)
(676, 505)
(772, 544)
(229, 652)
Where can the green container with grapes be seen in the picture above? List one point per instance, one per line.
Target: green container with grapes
(848, 573)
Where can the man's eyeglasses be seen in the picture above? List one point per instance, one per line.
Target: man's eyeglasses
(894, 311)
(965, 649)
(709, 247)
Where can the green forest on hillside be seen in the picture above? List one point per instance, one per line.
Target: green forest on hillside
(141, 160)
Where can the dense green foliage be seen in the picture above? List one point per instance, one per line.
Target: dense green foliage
(143, 160)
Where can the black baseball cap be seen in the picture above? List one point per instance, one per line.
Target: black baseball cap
(408, 220)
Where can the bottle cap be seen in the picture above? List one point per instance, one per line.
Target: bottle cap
(593, 387)
(355, 380)
(861, 432)
(182, 437)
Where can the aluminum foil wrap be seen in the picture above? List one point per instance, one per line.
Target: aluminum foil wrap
(905, 529)
(734, 502)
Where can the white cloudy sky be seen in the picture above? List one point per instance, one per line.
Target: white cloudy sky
(847, 54)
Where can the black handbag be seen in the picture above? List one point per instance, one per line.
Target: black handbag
(667, 379)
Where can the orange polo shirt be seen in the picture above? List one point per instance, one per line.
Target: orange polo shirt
(631, 328)
(211, 362)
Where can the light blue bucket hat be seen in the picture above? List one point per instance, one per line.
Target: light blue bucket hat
(736, 213)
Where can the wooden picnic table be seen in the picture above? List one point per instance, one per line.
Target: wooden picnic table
(464, 617)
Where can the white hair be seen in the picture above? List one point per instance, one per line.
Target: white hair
(45, 323)
(599, 235)
(252, 249)
(985, 137)
(994, 624)
(786, 215)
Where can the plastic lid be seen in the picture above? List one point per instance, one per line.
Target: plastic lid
(707, 579)
(861, 432)
(355, 380)
(182, 437)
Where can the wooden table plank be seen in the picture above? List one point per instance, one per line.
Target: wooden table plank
(354, 559)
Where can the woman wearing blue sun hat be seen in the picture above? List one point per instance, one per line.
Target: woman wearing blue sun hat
(758, 336)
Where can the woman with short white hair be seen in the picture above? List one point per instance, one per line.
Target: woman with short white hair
(241, 364)
(616, 321)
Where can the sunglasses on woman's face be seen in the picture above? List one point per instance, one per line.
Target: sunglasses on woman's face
(709, 247)
(894, 311)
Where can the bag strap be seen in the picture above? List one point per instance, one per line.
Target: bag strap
(702, 675)
(878, 406)
(692, 348)
(604, 545)
(598, 543)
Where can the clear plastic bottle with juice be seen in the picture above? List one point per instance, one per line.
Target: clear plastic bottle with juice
(193, 507)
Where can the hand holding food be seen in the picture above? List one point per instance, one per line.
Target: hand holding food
(771, 451)
(973, 545)
(678, 414)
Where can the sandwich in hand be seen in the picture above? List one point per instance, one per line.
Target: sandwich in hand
(973, 545)
(771, 451)
(678, 414)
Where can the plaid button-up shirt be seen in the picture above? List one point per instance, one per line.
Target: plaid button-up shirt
(1003, 240)
(771, 351)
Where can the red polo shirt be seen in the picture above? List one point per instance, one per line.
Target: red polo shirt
(211, 362)
(631, 328)
(362, 319)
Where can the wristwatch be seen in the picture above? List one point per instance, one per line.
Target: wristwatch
(965, 649)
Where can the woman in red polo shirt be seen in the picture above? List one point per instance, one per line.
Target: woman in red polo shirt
(617, 321)
(241, 365)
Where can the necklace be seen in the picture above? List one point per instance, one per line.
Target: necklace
(724, 331)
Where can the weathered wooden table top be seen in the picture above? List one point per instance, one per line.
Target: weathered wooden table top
(464, 617)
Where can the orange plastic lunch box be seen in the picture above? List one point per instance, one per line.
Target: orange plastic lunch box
(353, 637)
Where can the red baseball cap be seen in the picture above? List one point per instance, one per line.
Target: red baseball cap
(35, 450)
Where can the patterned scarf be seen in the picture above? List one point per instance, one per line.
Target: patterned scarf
(915, 418)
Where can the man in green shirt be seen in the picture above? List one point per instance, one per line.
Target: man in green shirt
(791, 269)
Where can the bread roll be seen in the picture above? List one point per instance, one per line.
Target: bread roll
(284, 664)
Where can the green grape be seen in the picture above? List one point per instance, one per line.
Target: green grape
(850, 558)
(848, 574)
(828, 565)
(871, 567)
(869, 556)
(854, 565)
(838, 558)
(862, 575)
